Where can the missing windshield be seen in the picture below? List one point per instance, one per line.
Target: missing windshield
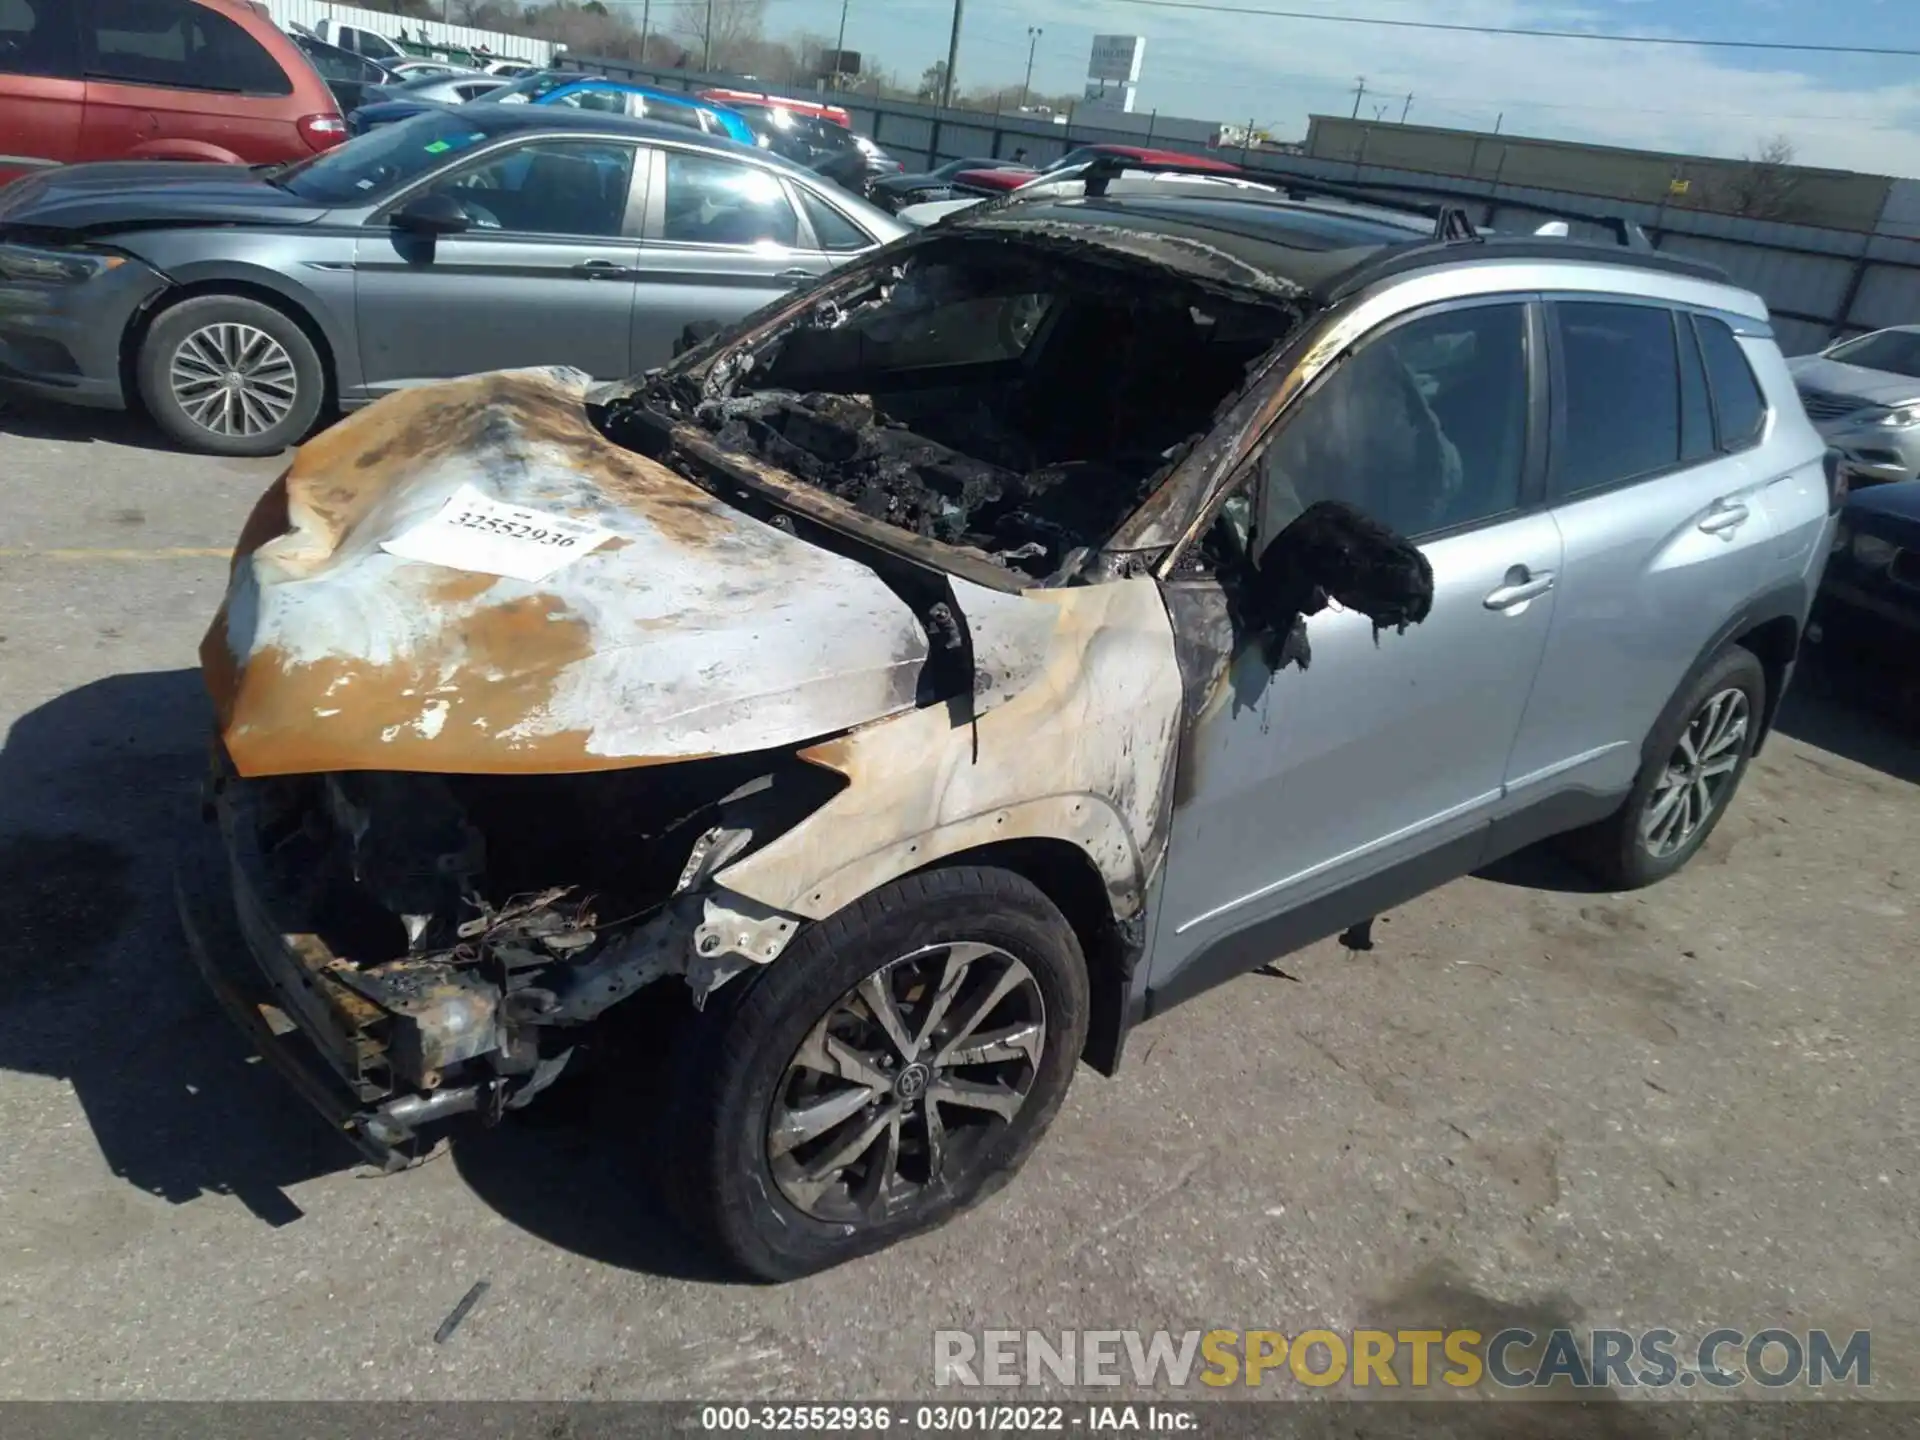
(1016, 402)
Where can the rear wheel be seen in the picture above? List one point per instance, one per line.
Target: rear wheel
(1696, 761)
(227, 375)
(894, 1067)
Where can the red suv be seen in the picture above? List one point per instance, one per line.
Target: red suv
(155, 80)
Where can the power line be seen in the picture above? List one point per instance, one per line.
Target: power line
(1382, 21)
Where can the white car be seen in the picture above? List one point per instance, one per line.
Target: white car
(1071, 183)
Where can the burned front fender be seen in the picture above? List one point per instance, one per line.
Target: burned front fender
(1080, 750)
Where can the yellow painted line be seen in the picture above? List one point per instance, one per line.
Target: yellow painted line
(179, 552)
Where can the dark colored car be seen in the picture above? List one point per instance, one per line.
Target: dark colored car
(407, 96)
(1872, 585)
(890, 192)
(349, 76)
(477, 237)
(84, 80)
(832, 151)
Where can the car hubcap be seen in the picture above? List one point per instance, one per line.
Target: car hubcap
(1698, 774)
(233, 380)
(905, 1081)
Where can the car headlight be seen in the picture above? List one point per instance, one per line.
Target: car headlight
(58, 267)
(1901, 417)
(1872, 551)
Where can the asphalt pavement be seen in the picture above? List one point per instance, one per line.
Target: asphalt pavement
(1528, 1103)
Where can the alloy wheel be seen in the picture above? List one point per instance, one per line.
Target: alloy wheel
(233, 379)
(905, 1081)
(1699, 774)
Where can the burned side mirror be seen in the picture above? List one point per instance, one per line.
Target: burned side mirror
(1332, 551)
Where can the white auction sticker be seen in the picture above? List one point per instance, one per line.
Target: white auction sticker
(472, 532)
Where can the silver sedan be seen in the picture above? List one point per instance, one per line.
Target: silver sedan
(1863, 395)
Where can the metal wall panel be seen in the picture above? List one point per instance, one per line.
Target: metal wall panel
(311, 12)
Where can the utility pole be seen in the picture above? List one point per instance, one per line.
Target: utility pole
(1496, 121)
(1359, 91)
(1034, 32)
(646, 19)
(840, 44)
(953, 58)
(1406, 107)
(706, 44)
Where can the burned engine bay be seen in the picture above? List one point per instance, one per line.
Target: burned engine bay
(1014, 398)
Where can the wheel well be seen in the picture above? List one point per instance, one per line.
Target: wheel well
(143, 320)
(1066, 875)
(1774, 643)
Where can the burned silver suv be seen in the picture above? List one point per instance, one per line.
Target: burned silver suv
(1076, 605)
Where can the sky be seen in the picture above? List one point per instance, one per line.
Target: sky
(1854, 112)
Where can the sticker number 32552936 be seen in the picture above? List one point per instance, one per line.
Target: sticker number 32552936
(473, 532)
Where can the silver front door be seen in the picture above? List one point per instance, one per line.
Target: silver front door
(1384, 748)
(544, 276)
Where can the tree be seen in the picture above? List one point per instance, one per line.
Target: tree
(933, 82)
(722, 33)
(1764, 187)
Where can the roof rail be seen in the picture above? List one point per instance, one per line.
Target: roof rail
(1450, 221)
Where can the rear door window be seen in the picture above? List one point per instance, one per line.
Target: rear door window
(1737, 401)
(177, 44)
(1619, 395)
(37, 37)
(712, 201)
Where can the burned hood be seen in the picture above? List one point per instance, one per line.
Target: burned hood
(687, 628)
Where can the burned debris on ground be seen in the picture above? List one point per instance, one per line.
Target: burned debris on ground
(1018, 401)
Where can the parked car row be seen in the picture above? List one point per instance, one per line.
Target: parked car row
(232, 303)
(216, 80)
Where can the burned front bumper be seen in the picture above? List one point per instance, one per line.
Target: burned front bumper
(378, 1072)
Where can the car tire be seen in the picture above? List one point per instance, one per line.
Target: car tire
(228, 375)
(744, 1156)
(1676, 801)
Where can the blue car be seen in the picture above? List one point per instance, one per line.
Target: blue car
(582, 92)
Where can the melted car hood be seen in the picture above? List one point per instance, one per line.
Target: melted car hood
(696, 630)
(134, 194)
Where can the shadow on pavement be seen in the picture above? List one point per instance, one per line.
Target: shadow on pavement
(1860, 701)
(76, 425)
(101, 785)
(95, 983)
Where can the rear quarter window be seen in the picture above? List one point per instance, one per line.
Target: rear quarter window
(180, 45)
(1738, 404)
(37, 37)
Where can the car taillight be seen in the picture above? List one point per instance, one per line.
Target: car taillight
(322, 132)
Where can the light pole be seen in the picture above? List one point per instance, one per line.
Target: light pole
(1034, 32)
(953, 58)
(706, 47)
(840, 44)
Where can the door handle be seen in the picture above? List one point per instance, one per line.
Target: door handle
(603, 270)
(1521, 586)
(795, 277)
(1725, 516)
